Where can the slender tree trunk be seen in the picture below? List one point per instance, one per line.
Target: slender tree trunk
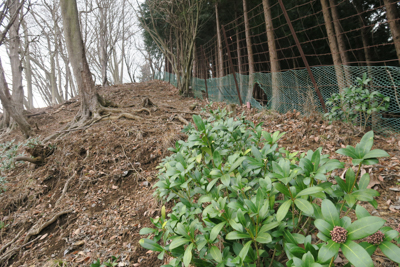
(90, 99)
(27, 66)
(11, 107)
(391, 14)
(249, 53)
(364, 31)
(220, 63)
(121, 78)
(341, 42)
(16, 67)
(239, 53)
(103, 45)
(332, 43)
(273, 55)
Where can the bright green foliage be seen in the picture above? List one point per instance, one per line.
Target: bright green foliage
(356, 104)
(240, 200)
(109, 263)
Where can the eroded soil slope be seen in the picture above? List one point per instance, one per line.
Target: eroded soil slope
(93, 193)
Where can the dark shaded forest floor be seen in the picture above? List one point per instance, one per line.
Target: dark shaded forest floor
(100, 178)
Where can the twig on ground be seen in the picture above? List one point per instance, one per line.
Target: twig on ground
(64, 190)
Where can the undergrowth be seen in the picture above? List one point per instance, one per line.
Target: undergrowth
(241, 200)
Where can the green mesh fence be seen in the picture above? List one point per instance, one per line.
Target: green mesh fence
(296, 91)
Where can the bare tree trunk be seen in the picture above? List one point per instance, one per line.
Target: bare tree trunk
(364, 32)
(239, 52)
(123, 42)
(220, 63)
(332, 43)
(341, 42)
(16, 68)
(90, 99)
(12, 108)
(67, 74)
(55, 96)
(27, 66)
(391, 14)
(273, 55)
(249, 53)
(103, 45)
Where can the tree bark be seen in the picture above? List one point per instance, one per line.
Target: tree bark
(239, 53)
(11, 107)
(333, 43)
(220, 64)
(16, 67)
(341, 42)
(103, 45)
(249, 53)
(364, 32)
(273, 55)
(27, 65)
(391, 14)
(90, 100)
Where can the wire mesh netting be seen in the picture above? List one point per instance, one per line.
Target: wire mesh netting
(296, 90)
(273, 50)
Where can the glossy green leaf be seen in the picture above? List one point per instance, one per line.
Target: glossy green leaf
(216, 254)
(356, 254)
(323, 226)
(177, 242)
(269, 226)
(391, 251)
(236, 164)
(150, 245)
(364, 227)
(361, 212)
(376, 153)
(199, 123)
(264, 238)
(211, 184)
(365, 144)
(236, 235)
(348, 151)
(327, 251)
(283, 210)
(350, 200)
(216, 230)
(330, 212)
(282, 188)
(145, 231)
(217, 158)
(309, 191)
(187, 257)
(304, 206)
(369, 247)
(245, 250)
(364, 181)
(226, 179)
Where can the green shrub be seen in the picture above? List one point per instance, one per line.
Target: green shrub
(239, 205)
(356, 104)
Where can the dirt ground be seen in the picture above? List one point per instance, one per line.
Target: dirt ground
(93, 193)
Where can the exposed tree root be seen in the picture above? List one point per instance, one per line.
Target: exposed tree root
(124, 115)
(146, 102)
(181, 119)
(10, 243)
(85, 119)
(36, 229)
(13, 251)
(65, 189)
(37, 160)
